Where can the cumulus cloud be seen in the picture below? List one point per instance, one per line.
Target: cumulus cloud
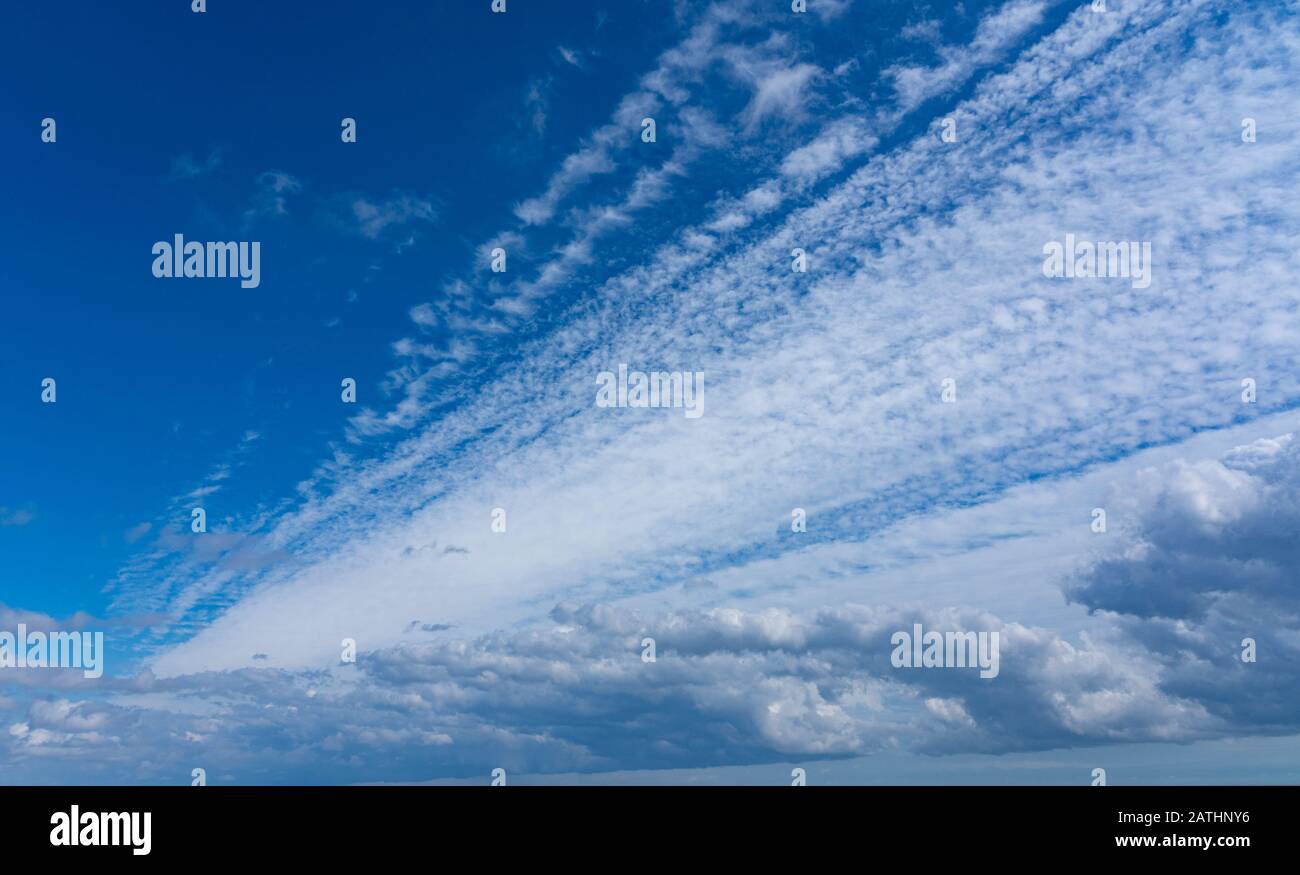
(731, 686)
(726, 687)
(1209, 559)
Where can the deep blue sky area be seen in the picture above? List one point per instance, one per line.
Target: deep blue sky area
(156, 378)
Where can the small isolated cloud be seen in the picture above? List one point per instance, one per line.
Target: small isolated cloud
(186, 167)
(927, 30)
(571, 57)
(271, 198)
(779, 86)
(137, 532)
(537, 104)
(828, 10)
(424, 316)
(15, 517)
(372, 218)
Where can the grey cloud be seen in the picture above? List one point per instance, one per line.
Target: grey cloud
(1212, 558)
(728, 687)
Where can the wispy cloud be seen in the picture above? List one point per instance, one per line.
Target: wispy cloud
(186, 167)
(832, 318)
(273, 190)
(16, 517)
(372, 218)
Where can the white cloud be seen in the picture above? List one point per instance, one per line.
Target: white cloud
(916, 83)
(796, 377)
(822, 393)
(372, 218)
(272, 197)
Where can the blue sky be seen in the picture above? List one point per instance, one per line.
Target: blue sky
(775, 130)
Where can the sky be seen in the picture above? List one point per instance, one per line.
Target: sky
(945, 417)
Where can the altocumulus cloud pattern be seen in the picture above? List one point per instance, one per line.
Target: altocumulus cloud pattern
(650, 392)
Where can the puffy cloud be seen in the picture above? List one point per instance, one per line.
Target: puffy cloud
(1209, 531)
(1209, 558)
(726, 687)
(1205, 555)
